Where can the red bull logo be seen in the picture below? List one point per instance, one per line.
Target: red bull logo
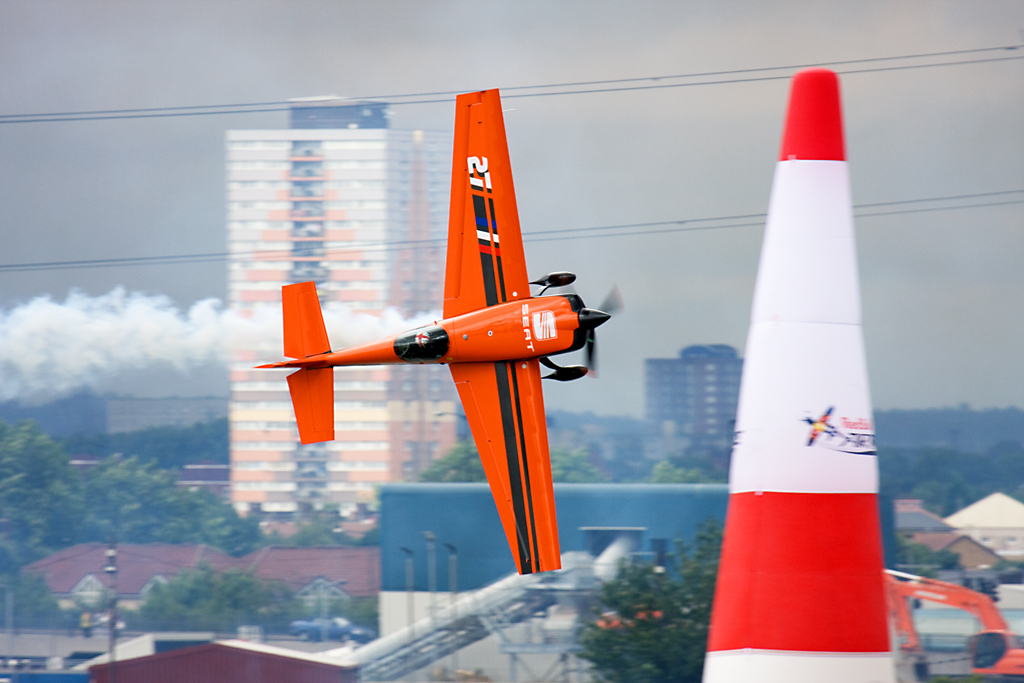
(826, 435)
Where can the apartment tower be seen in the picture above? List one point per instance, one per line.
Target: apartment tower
(341, 199)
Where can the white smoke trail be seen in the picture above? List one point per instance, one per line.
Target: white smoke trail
(48, 348)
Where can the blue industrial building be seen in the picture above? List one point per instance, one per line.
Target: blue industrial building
(464, 516)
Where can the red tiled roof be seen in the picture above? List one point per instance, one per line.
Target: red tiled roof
(136, 564)
(939, 542)
(358, 567)
(935, 542)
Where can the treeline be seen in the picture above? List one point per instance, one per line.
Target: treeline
(948, 480)
(169, 447)
(47, 504)
(130, 494)
(204, 600)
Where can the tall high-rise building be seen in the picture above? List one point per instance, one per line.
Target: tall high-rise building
(697, 393)
(362, 210)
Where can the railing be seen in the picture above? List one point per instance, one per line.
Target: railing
(490, 610)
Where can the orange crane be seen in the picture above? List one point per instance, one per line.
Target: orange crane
(994, 651)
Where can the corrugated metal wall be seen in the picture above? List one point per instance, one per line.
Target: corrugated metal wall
(465, 516)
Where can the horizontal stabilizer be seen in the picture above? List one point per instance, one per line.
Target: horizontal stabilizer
(313, 398)
(304, 331)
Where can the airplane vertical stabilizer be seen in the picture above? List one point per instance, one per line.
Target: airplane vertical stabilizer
(800, 593)
(305, 335)
(304, 331)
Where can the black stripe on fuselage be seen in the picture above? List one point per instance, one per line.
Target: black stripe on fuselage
(486, 259)
(526, 466)
(497, 256)
(517, 481)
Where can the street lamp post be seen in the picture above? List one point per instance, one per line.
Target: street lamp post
(323, 592)
(111, 570)
(409, 596)
(453, 589)
(431, 539)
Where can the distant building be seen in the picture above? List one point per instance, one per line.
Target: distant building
(225, 661)
(467, 548)
(88, 413)
(76, 577)
(131, 414)
(972, 554)
(911, 517)
(313, 573)
(360, 209)
(996, 521)
(211, 476)
(84, 413)
(464, 515)
(693, 398)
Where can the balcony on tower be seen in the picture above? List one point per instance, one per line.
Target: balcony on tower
(304, 271)
(307, 170)
(307, 149)
(303, 189)
(306, 210)
(308, 228)
(308, 249)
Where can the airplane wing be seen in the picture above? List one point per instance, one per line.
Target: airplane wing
(505, 409)
(486, 264)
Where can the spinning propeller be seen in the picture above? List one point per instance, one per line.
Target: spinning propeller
(610, 306)
(590, 319)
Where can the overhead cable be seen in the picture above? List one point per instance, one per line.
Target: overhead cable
(512, 92)
(624, 230)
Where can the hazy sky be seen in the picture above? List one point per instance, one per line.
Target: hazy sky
(943, 319)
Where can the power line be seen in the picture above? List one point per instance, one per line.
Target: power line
(706, 74)
(632, 233)
(625, 230)
(284, 105)
(975, 195)
(757, 79)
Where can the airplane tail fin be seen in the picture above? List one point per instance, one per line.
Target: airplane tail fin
(304, 331)
(305, 335)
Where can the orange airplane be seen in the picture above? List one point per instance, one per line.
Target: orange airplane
(494, 337)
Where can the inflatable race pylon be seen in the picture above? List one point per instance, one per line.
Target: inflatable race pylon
(800, 592)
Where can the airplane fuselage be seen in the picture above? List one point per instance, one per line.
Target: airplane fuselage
(526, 328)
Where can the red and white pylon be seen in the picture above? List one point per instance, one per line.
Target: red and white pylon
(800, 595)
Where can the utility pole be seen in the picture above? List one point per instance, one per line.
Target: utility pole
(453, 589)
(431, 538)
(111, 570)
(409, 595)
(322, 594)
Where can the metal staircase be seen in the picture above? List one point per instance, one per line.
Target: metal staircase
(493, 609)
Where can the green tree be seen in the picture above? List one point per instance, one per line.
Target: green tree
(202, 599)
(461, 463)
(138, 503)
(654, 623)
(201, 517)
(34, 604)
(948, 480)
(574, 467)
(39, 495)
(921, 559)
(170, 447)
(321, 529)
(667, 473)
(129, 500)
